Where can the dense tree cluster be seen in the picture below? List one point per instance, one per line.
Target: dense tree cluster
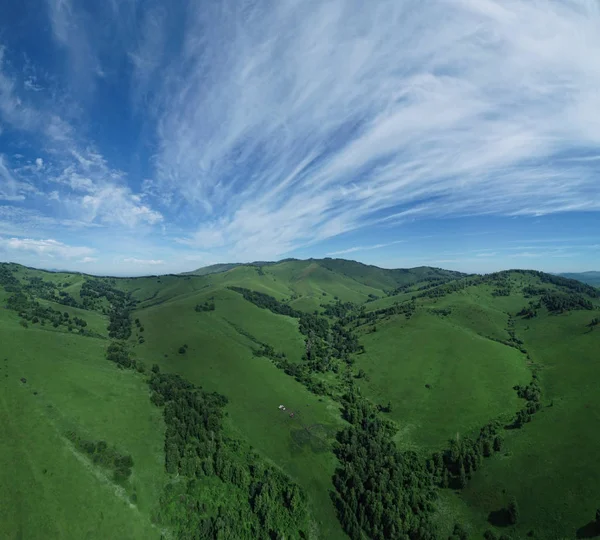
(502, 283)
(103, 455)
(118, 352)
(371, 317)
(196, 448)
(380, 492)
(531, 291)
(47, 290)
(429, 283)
(209, 305)
(122, 304)
(341, 310)
(454, 466)
(35, 287)
(266, 302)
(8, 279)
(450, 287)
(532, 393)
(566, 283)
(502, 291)
(32, 311)
(301, 372)
(324, 342)
(558, 302)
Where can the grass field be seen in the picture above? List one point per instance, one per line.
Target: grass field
(552, 467)
(470, 377)
(49, 489)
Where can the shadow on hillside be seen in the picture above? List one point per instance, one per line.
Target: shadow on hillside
(590, 530)
(499, 518)
(315, 437)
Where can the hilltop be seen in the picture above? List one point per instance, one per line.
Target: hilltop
(321, 398)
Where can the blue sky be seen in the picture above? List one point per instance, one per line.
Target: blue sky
(151, 137)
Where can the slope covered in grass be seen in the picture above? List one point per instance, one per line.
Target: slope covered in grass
(440, 377)
(551, 466)
(47, 485)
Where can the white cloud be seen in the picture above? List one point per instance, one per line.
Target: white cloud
(364, 248)
(116, 205)
(17, 112)
(87, 260)
(71, 33)
(289, 123)
(90, 190)
(144, 262)
(50, 247)
(12, 189)
(148, 54)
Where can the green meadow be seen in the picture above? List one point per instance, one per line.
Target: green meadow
(49, 488)
(433, 354)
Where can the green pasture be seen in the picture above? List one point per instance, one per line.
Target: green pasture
(48, 489)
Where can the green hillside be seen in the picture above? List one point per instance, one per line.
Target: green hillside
(298, 399)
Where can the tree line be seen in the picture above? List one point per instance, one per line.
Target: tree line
(32, 311)
(324, 343)
(559, 302)
(380, 492)
(105, 456)
(259, 500)
(197, 448)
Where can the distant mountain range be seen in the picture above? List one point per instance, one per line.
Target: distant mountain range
(591, 278)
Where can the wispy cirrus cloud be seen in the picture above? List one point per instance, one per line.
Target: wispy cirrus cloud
(48, 247)
(251, 129)
(80, 179)
(355, 249)
(291, 122)
(11, 189)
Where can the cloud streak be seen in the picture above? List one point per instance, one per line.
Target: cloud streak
(364, 248)
(288, 123)
(259, 129)
(48, 248)
(90, 190)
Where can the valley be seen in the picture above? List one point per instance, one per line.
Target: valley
(419, 403)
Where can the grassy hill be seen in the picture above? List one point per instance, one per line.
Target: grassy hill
(415, 400)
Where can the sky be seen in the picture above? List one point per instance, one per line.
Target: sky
(149, 137)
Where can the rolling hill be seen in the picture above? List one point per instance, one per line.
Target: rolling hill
(299, 399)
(591, 278)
